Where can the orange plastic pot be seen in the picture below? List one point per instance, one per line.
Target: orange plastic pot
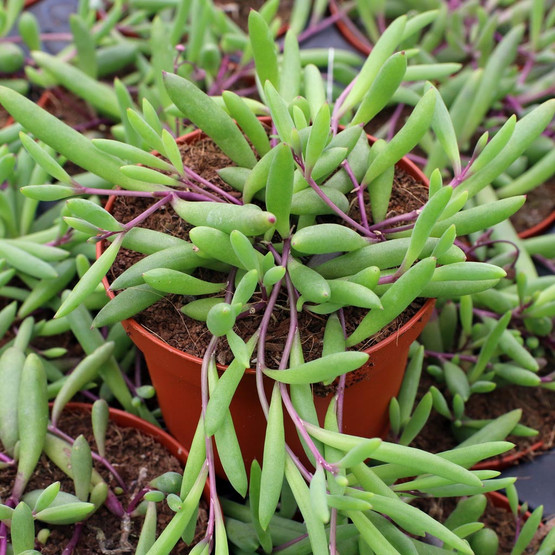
(176, 377)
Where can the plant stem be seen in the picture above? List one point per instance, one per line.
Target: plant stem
(193, 175)
(72, 544)
(328, 201)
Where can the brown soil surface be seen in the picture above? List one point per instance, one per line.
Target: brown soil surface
(165, 320)
(138, 458)
(539, 205)
(538, 412)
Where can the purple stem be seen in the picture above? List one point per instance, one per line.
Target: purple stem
(72, 544)
(243, 72)
(337, 113)
(261, 355)
(56, 431)
(150, 210)
(333, 532)
(215, 87)
(532, 97)
(408, 217)
(340, 394)
(314, 29)
(6, 459)
(394, 120)
(550, 265)
(136, 500)
(360, 193)
(449, 356)
(290, 543)
(211, 186)
(329, 202)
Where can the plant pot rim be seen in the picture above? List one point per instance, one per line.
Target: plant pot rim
(505, 461)
(138, 328)
(539, 228)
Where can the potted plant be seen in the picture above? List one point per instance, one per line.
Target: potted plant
(265, 239)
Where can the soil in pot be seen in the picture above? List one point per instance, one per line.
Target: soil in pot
(165, 320)
(138, 458)
(538, 412)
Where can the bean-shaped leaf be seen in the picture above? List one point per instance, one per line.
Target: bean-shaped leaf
(221, 319)
(247, 121)
(327, 238)
(273, 466)
(222, 394)
(245, 288)
(318, 137)
(22, 528)
(11, 367)
(46, 497)
(318, 495)
(84, 373)
(244, 250)
(131, 154)
(32, 420)
(406, 138)
(25, 262)
(181, 257)
(308, 282)
(81, 465)
(44, 159)
(94, 214)
(322, 369)
(213, 120)
(100, 95)
(279, 188)
(264, 536)
(88, 283)
(126, 304)
(247, 219)
(281, 117)
(228, 447)
(69, 513)
(384, 47)
(179, 283)
(394, 300)
(347, 293)
(418, 420)
(263, 49)
(99, 419)
(488, 348)
(382, 88)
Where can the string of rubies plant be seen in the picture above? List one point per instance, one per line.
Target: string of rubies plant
(264, 239)
(26, 432)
